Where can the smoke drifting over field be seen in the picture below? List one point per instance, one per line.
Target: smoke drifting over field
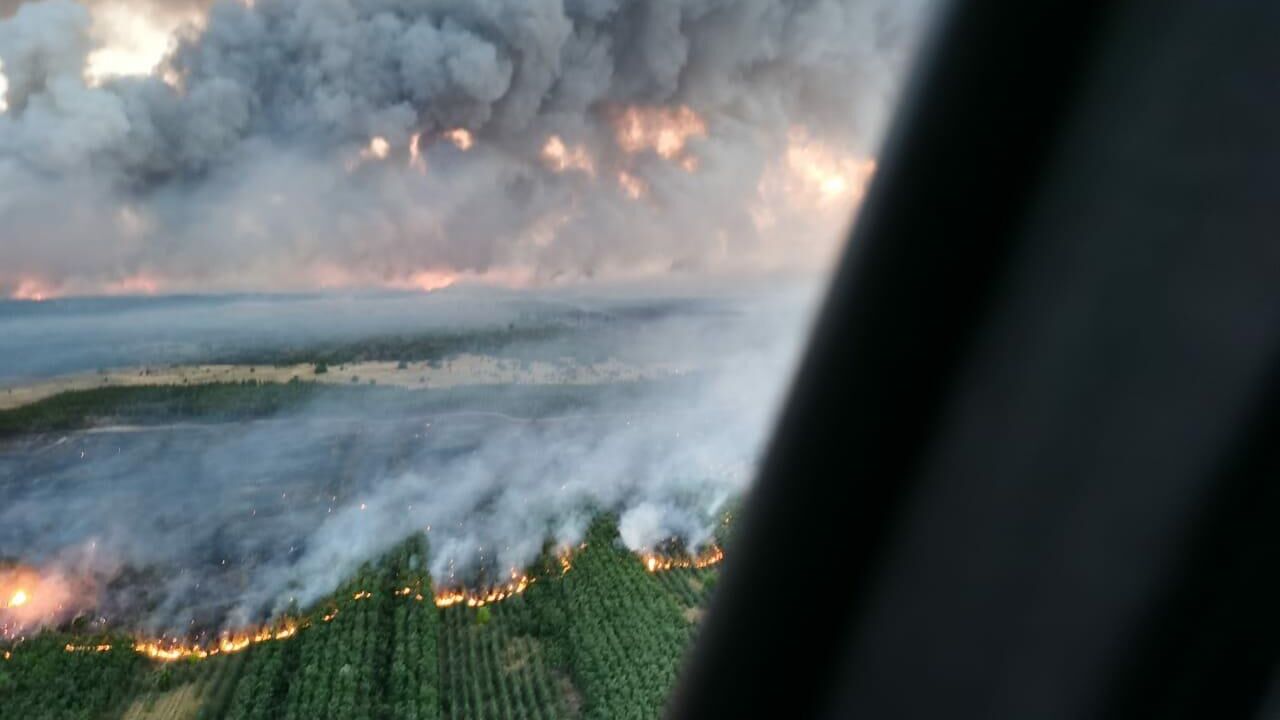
(222, 524)
(292, 144)
(150, 147)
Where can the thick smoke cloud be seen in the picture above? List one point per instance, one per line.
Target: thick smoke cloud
(245, 159)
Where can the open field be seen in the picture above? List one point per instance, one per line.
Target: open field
(603, 640)
(458, 371)
(248, 399)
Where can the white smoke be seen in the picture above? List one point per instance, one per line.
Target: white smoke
(218, 523)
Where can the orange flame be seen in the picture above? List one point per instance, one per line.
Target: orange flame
(170, 650)
(480, 598)
(712, 555)
(87, 648)
(30, 599)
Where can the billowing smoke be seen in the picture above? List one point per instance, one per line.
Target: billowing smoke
(288, 144)
(205, 525)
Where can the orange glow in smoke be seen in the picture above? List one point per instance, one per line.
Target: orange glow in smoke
(138, 284)
(332, 276)
(416, 161)
(633, 186)
(30, 599)
(378, 148)
(460, 137)
(663, 130)
(426, 280)
(33, 290)
(816, 174)
(131, 41)
(561, 157)
(4, 90)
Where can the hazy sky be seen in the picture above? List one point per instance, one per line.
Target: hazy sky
(149, 146)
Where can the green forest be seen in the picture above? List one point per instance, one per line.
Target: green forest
(603, 640)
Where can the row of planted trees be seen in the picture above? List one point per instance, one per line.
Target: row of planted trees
(371, 654)
(493, 665)
(625, 635)
(46, 681)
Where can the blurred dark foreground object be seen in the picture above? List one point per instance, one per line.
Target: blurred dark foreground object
(1030, 467)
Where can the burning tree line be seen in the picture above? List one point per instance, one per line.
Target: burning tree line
(604, 636)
